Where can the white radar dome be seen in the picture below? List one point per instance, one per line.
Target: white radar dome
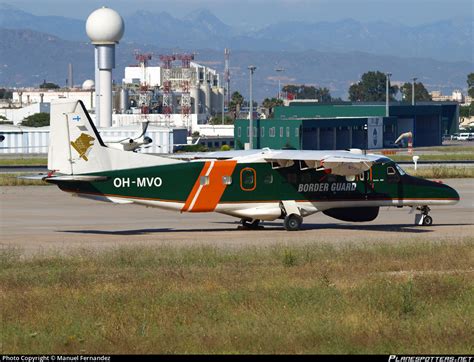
(88, 84)
(104, 26)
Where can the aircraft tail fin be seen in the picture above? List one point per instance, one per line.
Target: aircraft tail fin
(76, 146)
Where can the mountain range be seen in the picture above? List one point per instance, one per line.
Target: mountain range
(450, 40)
(330, 54)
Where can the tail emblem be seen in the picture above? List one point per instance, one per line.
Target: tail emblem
(83, 144)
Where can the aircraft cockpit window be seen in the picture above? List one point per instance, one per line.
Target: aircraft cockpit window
(227, 180)
(204, 180)
(391, 171)
(401, 171)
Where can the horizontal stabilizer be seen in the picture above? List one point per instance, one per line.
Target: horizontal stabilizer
(75, 178)
(38, 177)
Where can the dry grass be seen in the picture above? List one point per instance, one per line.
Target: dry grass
(441, 172)
(434, 157)
(28, 161)
(405, 298)
(13, 179)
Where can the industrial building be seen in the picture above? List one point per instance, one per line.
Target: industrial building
(346, 125)
(32, 140)
(176, 98)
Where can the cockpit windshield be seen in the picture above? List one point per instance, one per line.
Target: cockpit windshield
(400, 170)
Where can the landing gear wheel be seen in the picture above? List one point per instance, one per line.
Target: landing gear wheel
(423, 219)
(250, 224)
(427, 220)
(292, 222)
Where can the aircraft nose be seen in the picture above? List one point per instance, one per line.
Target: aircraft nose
(450, 194)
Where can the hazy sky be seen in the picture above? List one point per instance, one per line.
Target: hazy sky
(263, 12)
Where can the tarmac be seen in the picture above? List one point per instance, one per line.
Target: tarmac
(43, 219)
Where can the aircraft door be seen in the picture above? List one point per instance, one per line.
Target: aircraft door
(368, 182)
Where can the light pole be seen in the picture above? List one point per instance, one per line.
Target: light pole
(366, 134)
(388, 75)
(252, 69)
(278, 70)
(413, 92)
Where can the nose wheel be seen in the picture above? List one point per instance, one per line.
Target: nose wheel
(424, 219)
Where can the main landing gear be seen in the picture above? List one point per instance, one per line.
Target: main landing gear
(293, 218)
(247, 224)
(423, 218)
(292, 222)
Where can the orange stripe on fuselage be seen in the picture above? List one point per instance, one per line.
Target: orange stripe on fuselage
(191, 195)
(205, 198)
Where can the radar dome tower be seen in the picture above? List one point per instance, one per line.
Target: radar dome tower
(105, 28)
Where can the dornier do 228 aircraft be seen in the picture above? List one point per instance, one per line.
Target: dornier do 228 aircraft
(252, 185)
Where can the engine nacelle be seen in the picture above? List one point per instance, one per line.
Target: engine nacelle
(357, 214)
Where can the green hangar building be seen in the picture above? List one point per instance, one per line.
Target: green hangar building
(349, 125)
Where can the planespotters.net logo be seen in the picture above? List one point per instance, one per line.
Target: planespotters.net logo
(395, 358)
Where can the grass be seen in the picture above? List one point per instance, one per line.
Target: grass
(441, 172)
(30, 161)
(12, 179)
(434, 157)
(412, 298)
(448, 149)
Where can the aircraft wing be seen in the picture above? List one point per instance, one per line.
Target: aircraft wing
(344, 163)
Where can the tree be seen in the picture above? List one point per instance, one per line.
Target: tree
(236, 102)
(269, 104)
(464, 111)
(470, 84)
(48, 85)
(217, 119)
(322, 94)
(5, 94)
(371, 88)
(421, 94)
(36, 120)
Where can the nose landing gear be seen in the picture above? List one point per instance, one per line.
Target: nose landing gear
(423, 219)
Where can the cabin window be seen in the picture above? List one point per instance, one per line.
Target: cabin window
(227, 180)
(281, 131)
(248, 179)
(262, 132)
(204, 180)
(287, 131)
(297, 132)
(248, 131)
(271, 132)
(268, 179)
(391, 171)
(239, 132)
